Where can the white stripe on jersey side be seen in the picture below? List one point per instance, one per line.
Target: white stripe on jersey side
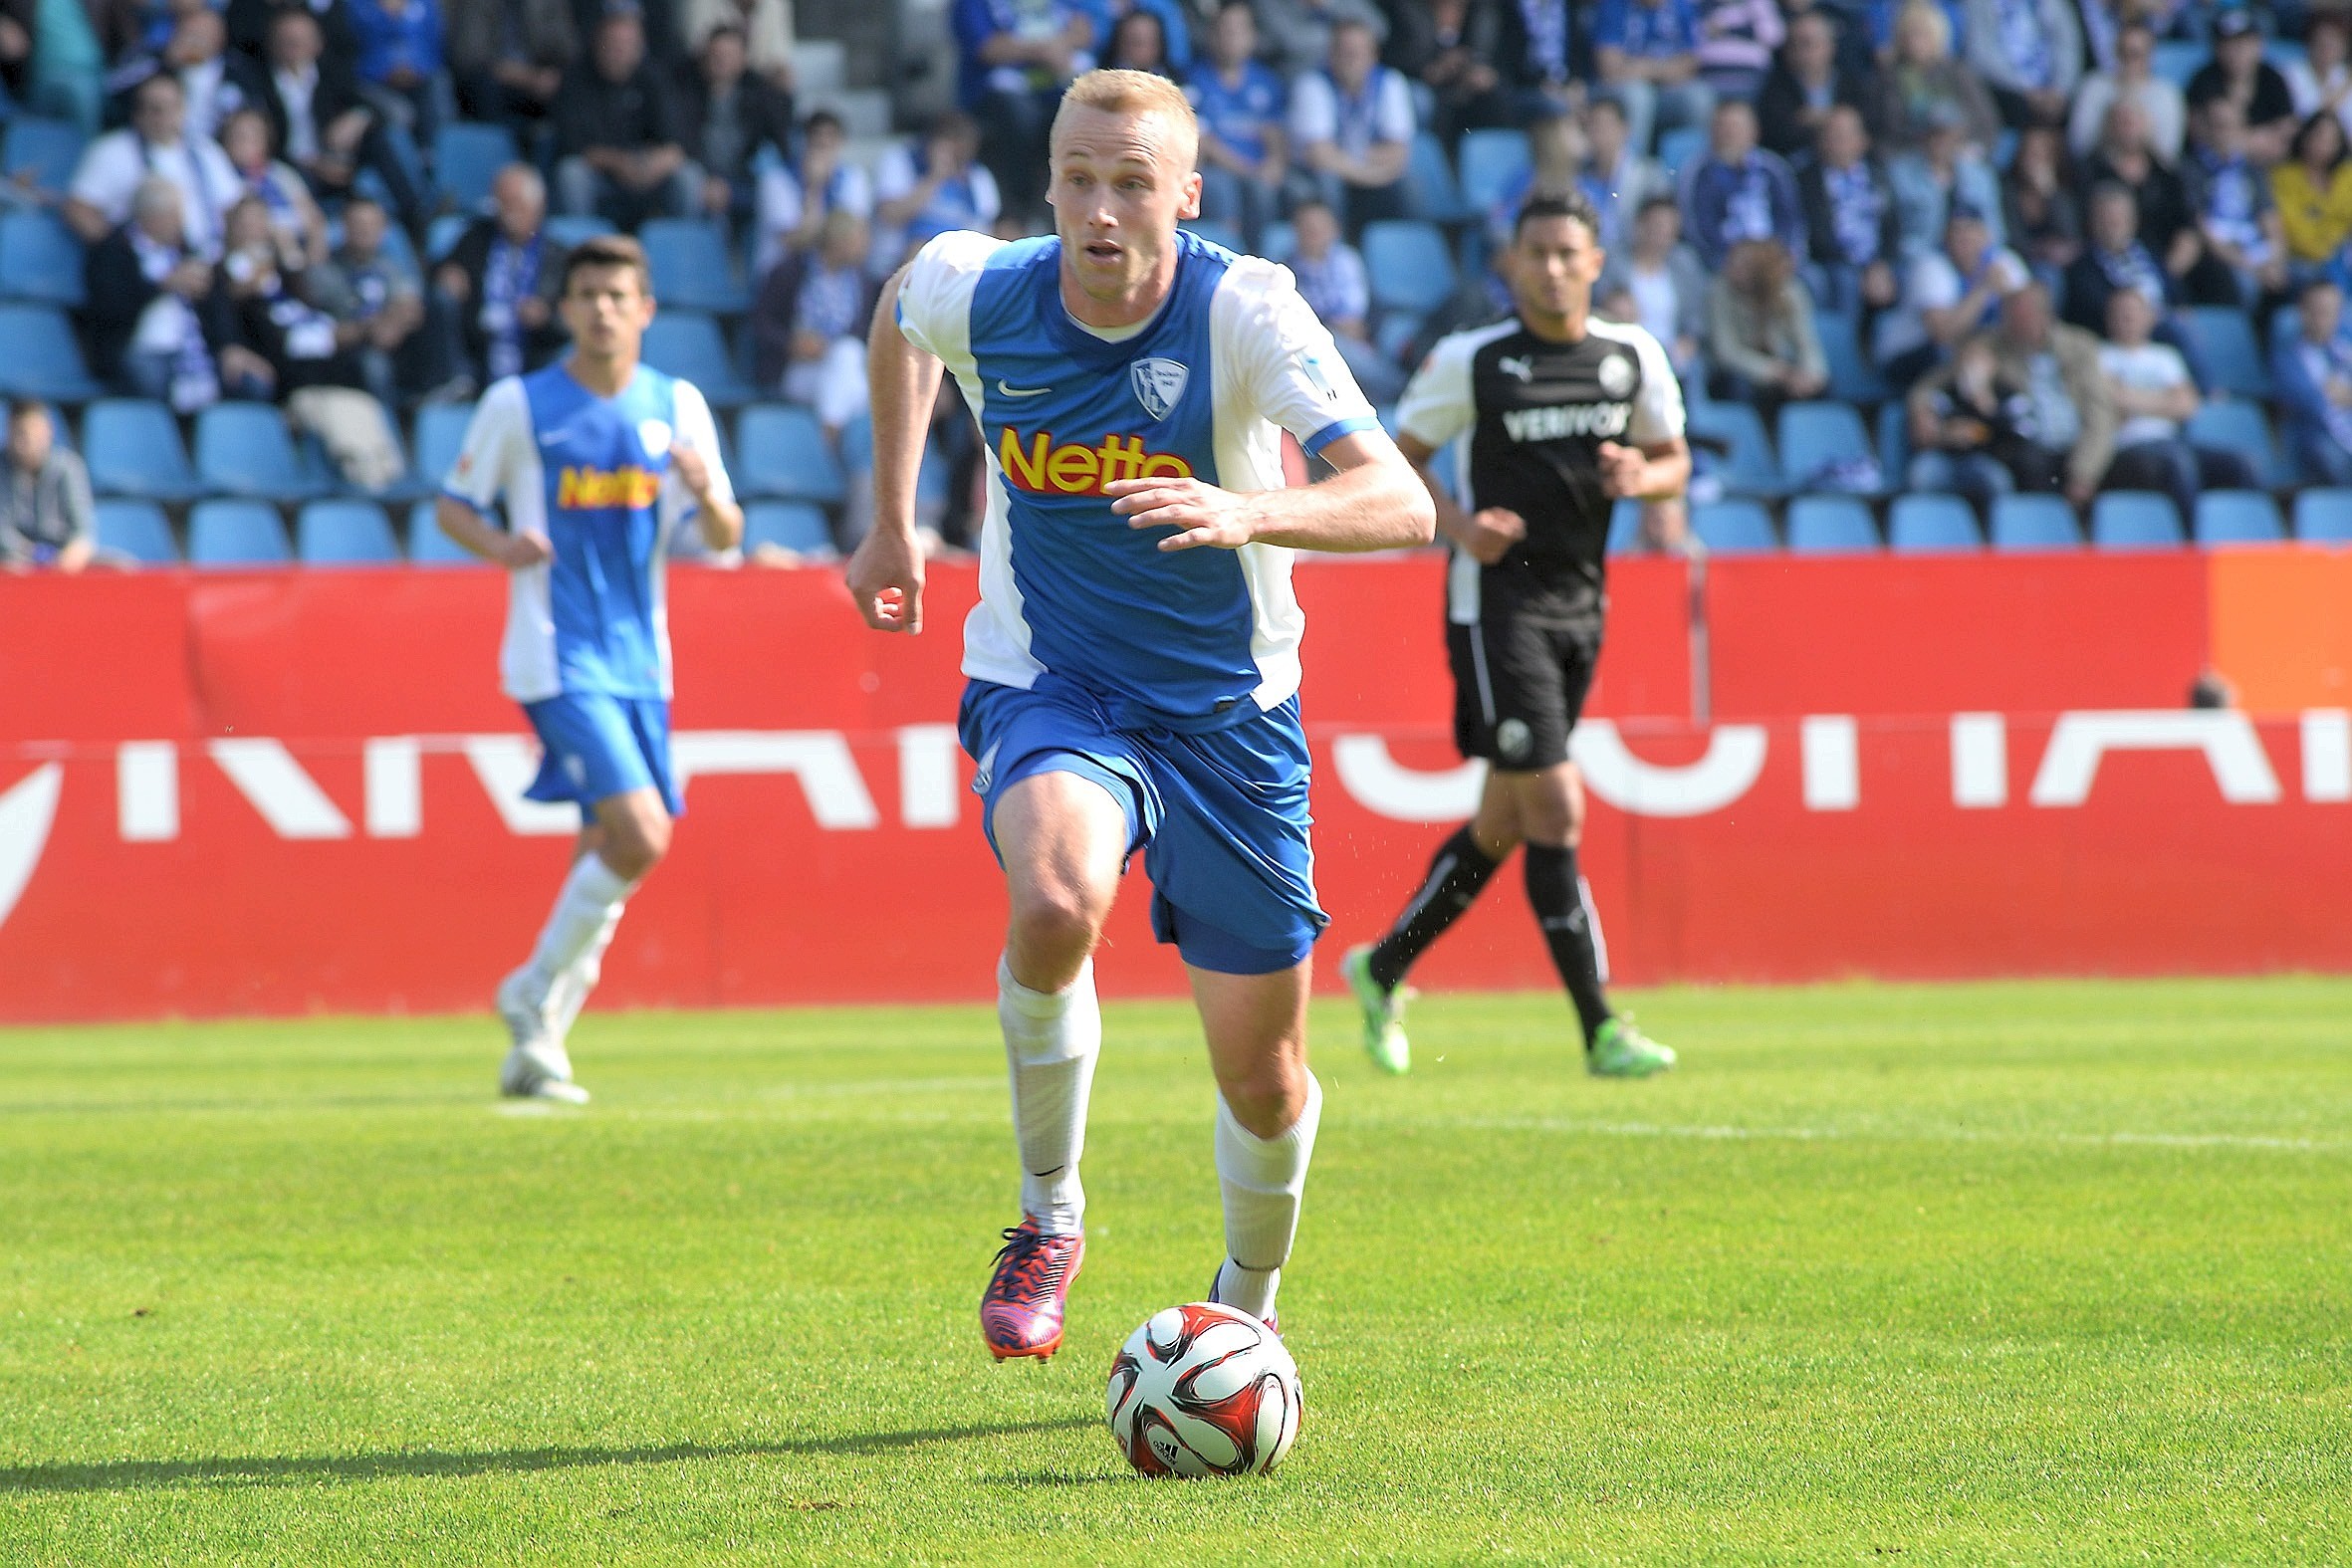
(1600, 943)
(996, 634)
(527, 657)
(1463, 606)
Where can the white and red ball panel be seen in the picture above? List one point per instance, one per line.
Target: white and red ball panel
(1204, 1389)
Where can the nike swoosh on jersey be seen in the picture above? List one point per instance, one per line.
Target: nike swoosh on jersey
(1022, 391)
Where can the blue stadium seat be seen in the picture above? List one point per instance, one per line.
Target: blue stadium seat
(1831, 526)
(2324, 516)
(2034, 523)
(2224, 341)
(569, 229)
(784, 453)
(2238, 517)
(1894, 441)
(133, 447)
(1748, 467)
(2241, 427)
(1852, 377)
(1733, 528)
(344, 534)
(691, 271)
(680, 343)
(136, 529)
(440, 436)
(1279, 242)
(1677, 146)
(442, 237)
(429, 547)
(1625, 528)
(2135, 520)
(1215, 232)
(1430, 193)
(467, 157)
(42, 152)
(2178, 58)
(40, 259)
(242, 449)
(1411, 269)
(791, 525)
(39, 357)
(236, 534)
(1815, 435)
(1491, 162)
(1932, 524)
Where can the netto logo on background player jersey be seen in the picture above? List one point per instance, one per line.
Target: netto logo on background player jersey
(1561, 420)
(586, 488)
(1051, 468)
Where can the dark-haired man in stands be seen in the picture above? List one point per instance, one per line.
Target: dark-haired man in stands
(321, 124)
(45, 507)
(1850, 217)
(2313, 369)
(620, 151)
(508, 57)
(2239, 72)
(726, 112)
(1738, 192)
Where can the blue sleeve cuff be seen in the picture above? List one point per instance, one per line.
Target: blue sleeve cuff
(1331, 432)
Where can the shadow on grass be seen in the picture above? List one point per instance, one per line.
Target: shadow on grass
(344, 1468)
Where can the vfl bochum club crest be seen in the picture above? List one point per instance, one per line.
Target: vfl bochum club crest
(655, 435)
(1159, 385)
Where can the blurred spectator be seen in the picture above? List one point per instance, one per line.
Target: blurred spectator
(19, 20)
(1942, 172)
(2039, 201)
(766, 26)
(2167, 224)
(2322, 80)
(1175, 28)
(1737, 38)
(2115, 256)
(1240, 104)
(1804, 84)
(1922, 85)
(251, 21)
(1761, 344)
(1533, 56)
(832, 299)
(1015, 58)
(1850, 217)
(2029, 53)
(1454, 48)
(507, 58)
(1738, 191)
(1973, 429)
(2073, 408)
(2154, 396)
(1556, 153)
(2234, 213)
(2313, 192)
(2135, 78)
(2313, 370)
(46, 514)
(399, 62)
(726, 114)
(1298, 32)
(62, 71)
(1646, 55)
(617, 137)
(928, 190)
(496, 293)
(797, 194)
(299, 226)
(1138, 40)
(1334, 284)
(1351, 124)
(214, 83)
(377, 300)
(323, 126)
(1946, 294)
(157, 327)
(1664, 280)
(155, 144)
(2239, 70)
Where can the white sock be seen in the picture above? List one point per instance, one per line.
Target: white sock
(582, 922)
(1052, 1038)
(570, 993)
(1262, 1178)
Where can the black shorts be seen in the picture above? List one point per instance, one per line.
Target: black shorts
(1519, 686)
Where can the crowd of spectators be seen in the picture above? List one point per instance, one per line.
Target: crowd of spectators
(2008, 207)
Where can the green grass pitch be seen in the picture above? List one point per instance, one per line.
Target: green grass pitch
(2031, 1272)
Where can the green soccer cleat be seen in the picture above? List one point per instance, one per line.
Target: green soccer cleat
(1384, 1014)
(1620, 1050)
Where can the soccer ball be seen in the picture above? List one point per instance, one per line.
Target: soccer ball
(1204, 1389)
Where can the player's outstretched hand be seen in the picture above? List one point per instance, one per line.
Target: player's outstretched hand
(528, 547)
(1200, 514)
(1493, 530)
(1622, 469)
(886, 581)
(693, 472)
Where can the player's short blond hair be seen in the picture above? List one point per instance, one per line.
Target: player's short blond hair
(1136, 92)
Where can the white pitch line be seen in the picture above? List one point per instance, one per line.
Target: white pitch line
(1861, 1135)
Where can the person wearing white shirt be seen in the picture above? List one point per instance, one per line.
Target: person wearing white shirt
(1352, 123)
(155, 142)
(2133, 77)
(2323, 79)
(1946, 294)
(2155, 396)
(795, 199)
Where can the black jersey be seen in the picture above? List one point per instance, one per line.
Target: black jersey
(1527, 418)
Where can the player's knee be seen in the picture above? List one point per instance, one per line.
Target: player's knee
(636, 846)
(1551, 811)
(1057, 920)
(1268, 1099)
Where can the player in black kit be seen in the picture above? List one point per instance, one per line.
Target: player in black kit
(1554, 416)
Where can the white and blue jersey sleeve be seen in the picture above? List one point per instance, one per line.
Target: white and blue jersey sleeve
(1205, 389)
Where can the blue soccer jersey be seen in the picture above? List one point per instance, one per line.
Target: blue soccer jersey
(593, 474)
(1190, 639)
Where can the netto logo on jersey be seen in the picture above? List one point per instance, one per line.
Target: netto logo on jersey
(1561, 420)
(1051, 468)
(585, 488)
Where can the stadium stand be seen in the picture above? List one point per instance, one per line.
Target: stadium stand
(429, 547)
(243, 449)
(40, 260)
(2034, 523)
(1411, 265)
(133, 448)
(1733, 528)
(2324, 516)
(41, 153)
(1932, 524)
(1830, 526)
(691, 271)
(684, 344)
(344, 534)
(2238, 517)
(2134, 520)
(136, 529)
(1818, 438)
(785, 454)
(42, 358)
(236, 534)
(796, 526)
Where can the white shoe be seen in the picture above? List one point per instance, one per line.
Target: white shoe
(537, 1067)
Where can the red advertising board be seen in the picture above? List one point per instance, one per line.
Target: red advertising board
(295, 790)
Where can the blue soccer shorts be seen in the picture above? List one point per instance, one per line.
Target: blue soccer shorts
(1222, 817)
(600, 746)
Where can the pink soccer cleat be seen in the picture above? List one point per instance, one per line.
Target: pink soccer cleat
(1020, 1311)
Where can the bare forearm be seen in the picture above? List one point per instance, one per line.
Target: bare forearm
(469, 527)
(904, 382)
(1379, 504)
(721, 523)
(1666, 473)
